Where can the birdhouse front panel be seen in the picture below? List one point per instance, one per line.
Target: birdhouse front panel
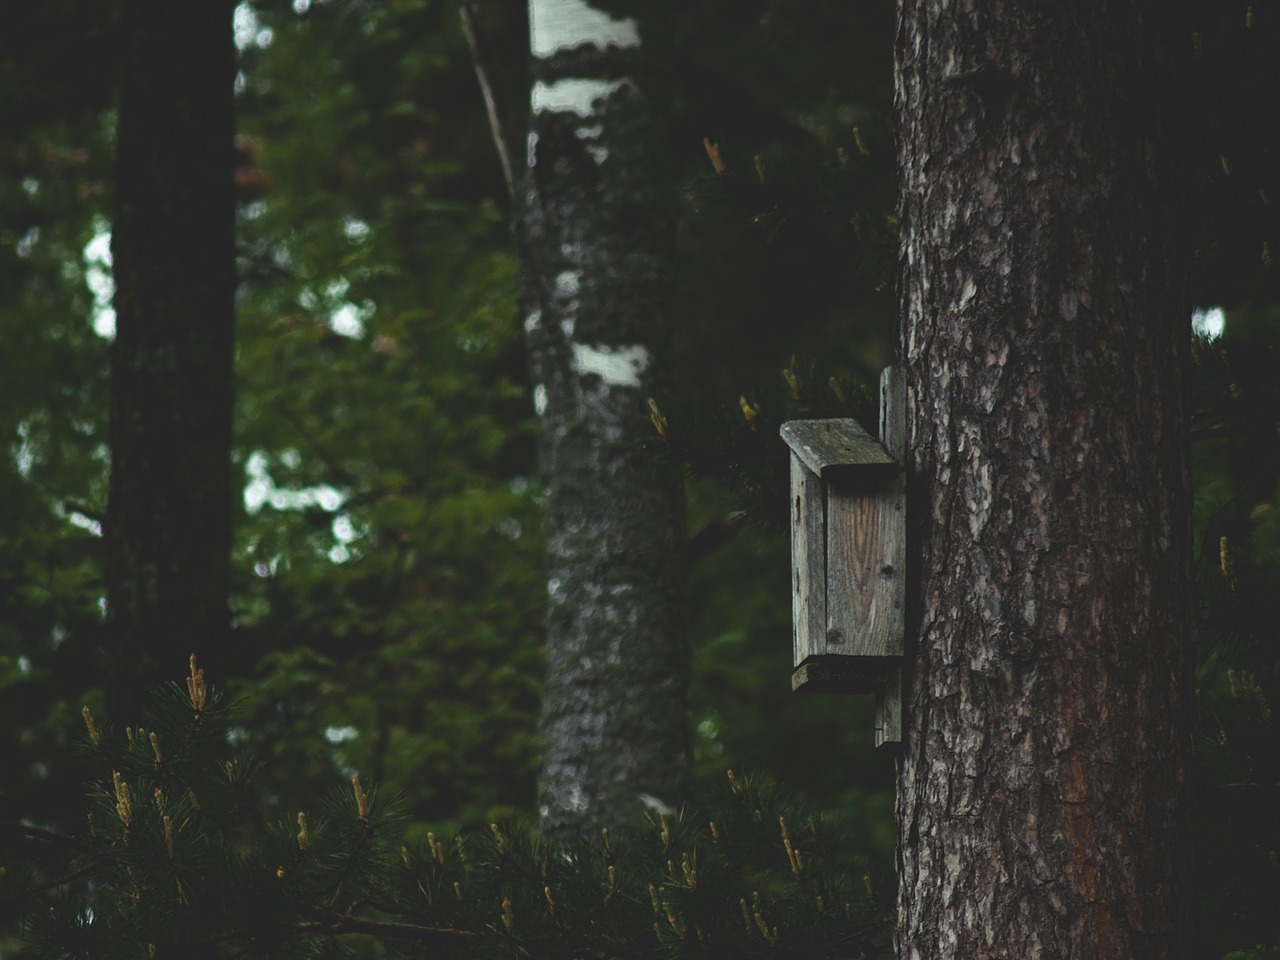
(865, 567)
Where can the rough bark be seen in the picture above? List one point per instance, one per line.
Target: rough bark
(597, 228)
(1042, 792)
(169, 507)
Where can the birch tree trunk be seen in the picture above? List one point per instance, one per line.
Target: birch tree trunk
(168, 530)
(598, 236)
(1043, 793)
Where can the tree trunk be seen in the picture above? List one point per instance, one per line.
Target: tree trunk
(168, 529)
(598, 236)
(1043, 793)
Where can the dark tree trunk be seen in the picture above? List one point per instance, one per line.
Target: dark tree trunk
(598, 236)
(168, 529)
(1043, 793)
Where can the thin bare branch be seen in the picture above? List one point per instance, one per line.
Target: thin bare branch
(467, 11)
(76, 874)
(39, 833)
(714, 534)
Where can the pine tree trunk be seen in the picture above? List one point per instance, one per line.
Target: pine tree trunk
(1043, 793)
(168, 529)
(598, 237)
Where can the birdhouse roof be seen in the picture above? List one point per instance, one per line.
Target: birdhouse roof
(830, 447)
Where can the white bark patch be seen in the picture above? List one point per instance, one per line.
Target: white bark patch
(576, 799)
(533, 321)
(539, 399)
(568, 283)
(531, 151)
(554, 595)
(616, 366)
(574, 95)
(590, 137)
(556, 25)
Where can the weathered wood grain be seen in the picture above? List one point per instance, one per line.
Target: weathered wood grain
(808, 562)
(830, 447)
(893, 435)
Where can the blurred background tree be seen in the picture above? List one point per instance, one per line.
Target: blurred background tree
(387, 588)
(595, 228)
(167, 536)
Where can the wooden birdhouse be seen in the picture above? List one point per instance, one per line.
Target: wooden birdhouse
(848, 553)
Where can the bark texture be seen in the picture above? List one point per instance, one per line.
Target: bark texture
(1043, 794)
(168, 529)
(598, 236)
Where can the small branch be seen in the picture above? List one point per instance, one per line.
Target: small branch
(467, 11)
(534, 276)
(382, 928)
(714, 534)
(75, 874)
(39, 833)
(1245, 786)
(1215, 432)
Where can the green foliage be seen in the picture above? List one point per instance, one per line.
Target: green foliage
(55, 182)
(388, 596)
(173, 861)
(1237, 407)
(788, 249)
